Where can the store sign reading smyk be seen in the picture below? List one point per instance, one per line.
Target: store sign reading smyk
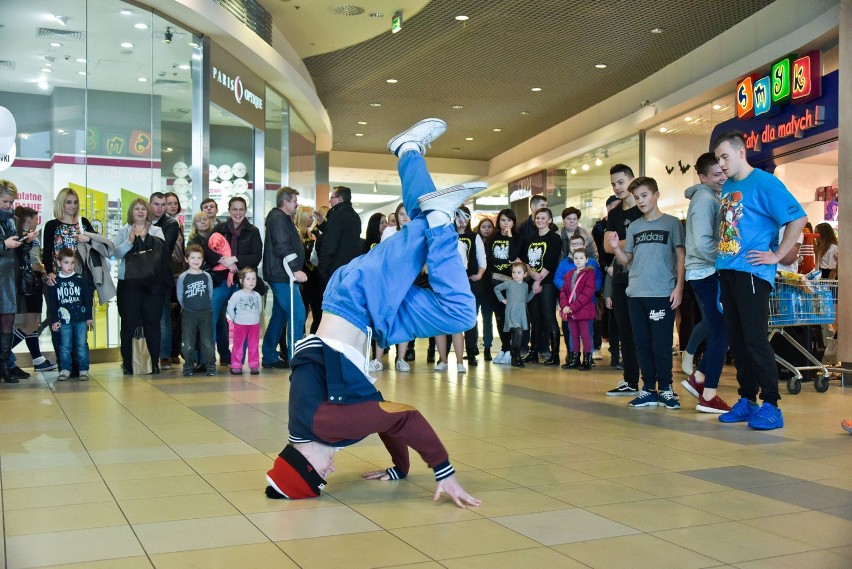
(791, 79)
(235, 84)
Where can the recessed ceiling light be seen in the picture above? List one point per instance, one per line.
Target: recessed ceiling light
(600, 65)
(126, 44)
(598, 161)
(82, 73)
(142, 79)
(43, 85)
(656, 30)
(362, 122)
(663, 129)
(48, 64)
(497, 129)
(55, 44)
(717, 107)
(457, 107)
(525, 113)
(585, 167)
(126, 12)
(687, 119)
(141, 26)
(375, 104)
(81, 60)
(536, 89)
(60, 131)
(359, 134)
(468, 138)
(462, 18)
(573, 170)
(392, 81)
(46, 70)
(168, 149)
(183, 66)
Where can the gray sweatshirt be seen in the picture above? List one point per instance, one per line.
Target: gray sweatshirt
(702, 227)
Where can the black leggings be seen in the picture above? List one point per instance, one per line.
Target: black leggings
(542, 309)
(139, 305)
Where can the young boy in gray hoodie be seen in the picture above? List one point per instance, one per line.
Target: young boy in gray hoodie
(702, 246)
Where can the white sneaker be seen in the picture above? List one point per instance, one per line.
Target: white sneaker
(422, 134)
(461, 369)
(402, 365)
(506, 357)
(64, 375)
(84, 375)
(498, 359)
(596, 355)
(449, 199)
(441, 366)
(375, 365)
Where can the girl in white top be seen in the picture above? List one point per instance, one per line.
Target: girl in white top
(244, 310)
(826, 250)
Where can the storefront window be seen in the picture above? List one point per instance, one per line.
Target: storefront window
(277, 142)
(231, 159)
(672, 148)
(587, 184)
(302, 175)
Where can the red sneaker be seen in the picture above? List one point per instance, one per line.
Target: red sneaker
(847, 426)
(694, 388)
(716, 405)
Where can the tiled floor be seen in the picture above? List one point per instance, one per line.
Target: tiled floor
(168, 472)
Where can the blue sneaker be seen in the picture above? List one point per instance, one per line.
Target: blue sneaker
(741, 411)
(645, 399)
(668, 399)
(769, 417)
(46, 365)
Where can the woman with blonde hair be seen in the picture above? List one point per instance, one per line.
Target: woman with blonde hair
(139, 302)
(311, 289)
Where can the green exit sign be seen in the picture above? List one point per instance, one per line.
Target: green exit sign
(396, 23)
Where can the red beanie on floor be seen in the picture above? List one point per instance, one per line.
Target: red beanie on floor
(292, 476)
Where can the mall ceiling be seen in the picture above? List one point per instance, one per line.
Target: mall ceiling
(480, 74)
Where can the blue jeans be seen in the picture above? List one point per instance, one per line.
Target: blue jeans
(652, 320)
(72, 337)
(280, 320)
(221, 296)
(166, 326)
(707, 292)
(377, 290)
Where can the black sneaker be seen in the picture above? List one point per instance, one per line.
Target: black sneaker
(18, 373)
(188, 372)
(211, 371)
(278, 364)
(622, 390)
(199, 368)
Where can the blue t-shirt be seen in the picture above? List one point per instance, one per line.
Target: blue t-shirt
(753, 210)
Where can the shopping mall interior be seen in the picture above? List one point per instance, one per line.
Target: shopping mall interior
(218, 99)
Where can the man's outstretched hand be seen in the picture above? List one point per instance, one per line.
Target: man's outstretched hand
(451, 487)
(376, 475)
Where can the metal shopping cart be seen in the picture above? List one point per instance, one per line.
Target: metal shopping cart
(796, 302)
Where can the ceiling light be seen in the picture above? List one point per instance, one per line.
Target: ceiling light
(573, 170)
(126, 12)
(82, 73)
(141, 26)
(687, 119)
(663, 129)
(585, 167)
(457, 107)
(525, 113)
(656, 30)
(359, 134)
(55, 44)
(462, 18)
(167, 149)
(193, 44)
(362, 122)
(375, 104)
(24, 136)
(81, 60)
(497, 129)
(598, 161)
(60, 131)
(43, 85)
(142, 79)
(183, 66)
(717, 107)
(535, 89)
(46, 70)
(392, 81)
(600, 65)
(469, 138)
(126, 44)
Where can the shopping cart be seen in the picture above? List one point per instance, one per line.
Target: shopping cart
(802, 303)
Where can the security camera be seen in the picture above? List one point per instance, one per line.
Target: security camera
(167, 37)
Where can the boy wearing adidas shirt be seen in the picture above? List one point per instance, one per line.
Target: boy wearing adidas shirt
(654, 249)
(333, 402)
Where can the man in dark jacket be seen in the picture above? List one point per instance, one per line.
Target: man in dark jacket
(282, 239)
(171, 233)
(341, 234)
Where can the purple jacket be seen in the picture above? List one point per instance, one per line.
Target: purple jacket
(583, 306)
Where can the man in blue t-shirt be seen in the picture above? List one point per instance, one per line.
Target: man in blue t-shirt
(755, 205)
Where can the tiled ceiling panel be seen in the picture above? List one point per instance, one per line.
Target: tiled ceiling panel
(489, 64)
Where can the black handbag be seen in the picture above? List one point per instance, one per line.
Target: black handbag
(30, 282)
(143, 265)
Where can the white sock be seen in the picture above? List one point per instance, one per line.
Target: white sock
(406, 146)
(437, 218)
(39, 361)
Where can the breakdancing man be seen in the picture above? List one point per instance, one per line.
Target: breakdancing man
(333, 402)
